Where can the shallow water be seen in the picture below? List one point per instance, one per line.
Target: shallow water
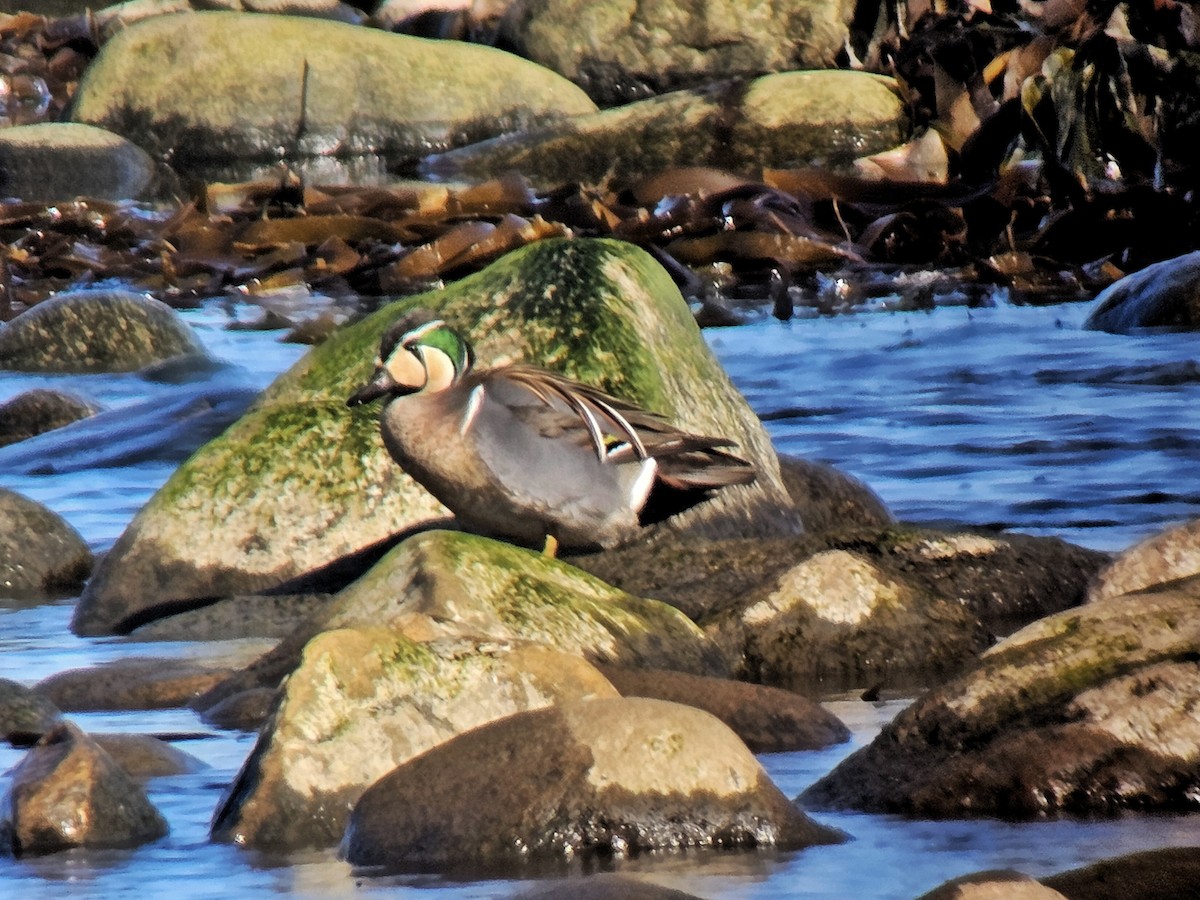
(1011, 417)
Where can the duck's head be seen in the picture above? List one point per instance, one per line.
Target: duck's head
(419, 353)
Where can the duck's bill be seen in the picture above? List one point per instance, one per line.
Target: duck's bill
(379, 385)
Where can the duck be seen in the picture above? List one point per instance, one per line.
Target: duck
(529, 456)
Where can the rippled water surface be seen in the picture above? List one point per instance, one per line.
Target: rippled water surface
(1009, 417)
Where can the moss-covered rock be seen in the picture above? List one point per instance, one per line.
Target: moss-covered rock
(312, 87)
(95, 331)
(619, 51)
(791, 119)
(1088, 711)
(590, 777)
(362, 702)
(301, 480)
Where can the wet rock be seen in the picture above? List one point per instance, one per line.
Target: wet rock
(800, 118)
(244, 711)
(593, 777)
(366, 700)
(158, 430)
(56, 161)
(114, 18)
(767, 719)
(315, 88)
(40, 410)
(448, 584)
(899, 607)
(1163, 557)
(145, 756)
(1163, 295)
(131, 683)
(67, 792)
(24, 714)
(1171, 873)
(1001, 885)
(1089, 711)
(302, 481)
(618, 52)
(94, 331)
(830, 500)
(41, 556)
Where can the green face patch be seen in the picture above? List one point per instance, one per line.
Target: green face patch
(436, 335)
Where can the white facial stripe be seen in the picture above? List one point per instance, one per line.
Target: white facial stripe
(439, 368)
(419, 332)
(406, 369)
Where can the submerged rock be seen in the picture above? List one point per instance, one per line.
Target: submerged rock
(1163, 295)
(793, 119)
(366, 700)
(619, 51)
(309, 87)
(144, 756)
(95, 331)
(40, 410)
(41, 556)
(67, 792)
(301, 481)
(131, 683)
(56, 161)
(1089, 711)
(592, 777)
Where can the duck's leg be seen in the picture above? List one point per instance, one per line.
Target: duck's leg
(551, 547)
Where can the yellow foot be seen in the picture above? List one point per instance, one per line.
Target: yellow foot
(551, 547)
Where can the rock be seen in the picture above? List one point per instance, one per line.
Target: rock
(601, 886)
(1171, 873)
(447, 584)
(244, 711)
(94, 331)
(796, 119)
(1163, 295)
(41, 556)
(67, 792)
(302, 481)
(584, 778)
(1088, 712)
(767, 719)
(114, 18)
(145, 756)
(899, 607)
(158, 430)
(272, 616)
(40, 410)
(56, 161)
(1163, 557)
(1000, 885)
(315, 88)
(366, 700)
(24, 715)
(47, 7)
(829, 500)
(619, 52)
(131, 683)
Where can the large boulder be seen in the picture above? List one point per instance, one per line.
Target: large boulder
(95, 331)
(1089, 711)
(301, 481)
(1163, 295)
(592, 777)
(620, 51)
(41, 555)
(312, 87)
(67, 792)
(780, 121)
(362, 702)
(444, 584)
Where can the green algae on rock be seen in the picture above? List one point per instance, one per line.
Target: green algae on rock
(365, 700)
(301, 481)
(313, 87)
(1088, 711)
